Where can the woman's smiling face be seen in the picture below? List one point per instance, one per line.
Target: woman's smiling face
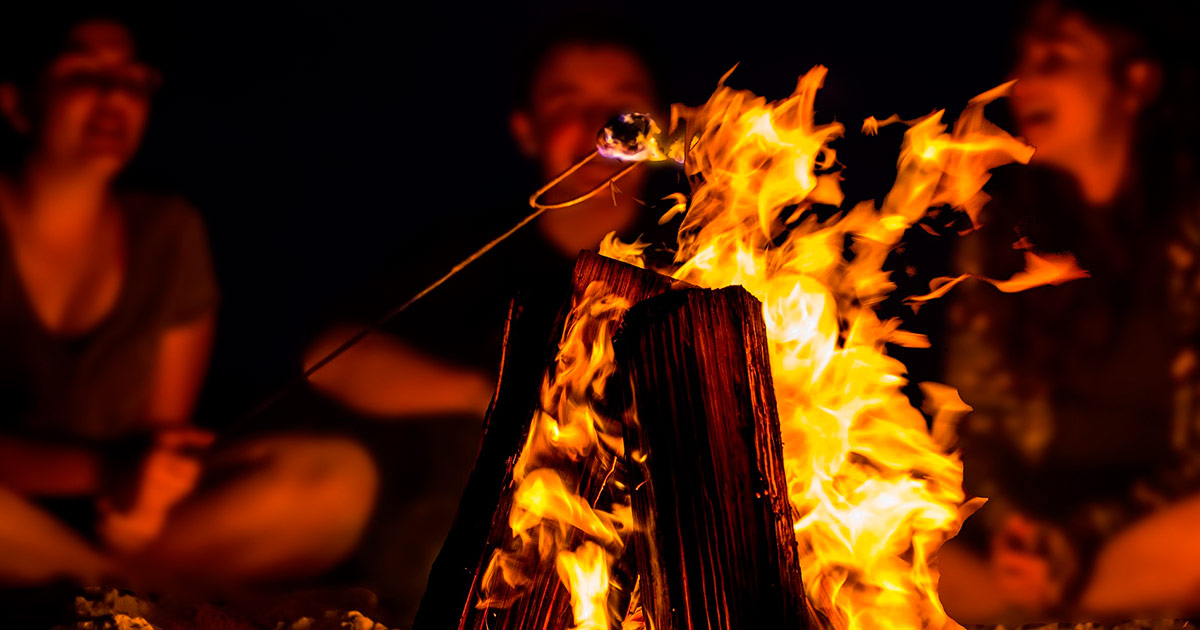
(1066, 98)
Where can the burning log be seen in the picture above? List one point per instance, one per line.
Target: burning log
(718, 551)
(482, 524)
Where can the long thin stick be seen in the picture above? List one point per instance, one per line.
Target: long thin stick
(539, 208)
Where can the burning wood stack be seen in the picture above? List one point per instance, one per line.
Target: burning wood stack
(712, 541)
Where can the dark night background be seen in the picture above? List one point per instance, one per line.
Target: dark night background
(321, 140)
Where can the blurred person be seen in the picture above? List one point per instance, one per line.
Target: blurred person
(443, 355)
(107, 310)
(1083, 434)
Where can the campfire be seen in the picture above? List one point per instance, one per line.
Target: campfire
(724, 443)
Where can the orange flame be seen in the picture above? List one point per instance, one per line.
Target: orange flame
(876, 491)
(1039, 270)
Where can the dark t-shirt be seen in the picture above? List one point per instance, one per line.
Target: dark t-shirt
(94, 386)
(463, 320)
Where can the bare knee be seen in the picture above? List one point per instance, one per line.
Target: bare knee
(292, 506)
(36, 548)
(1152, 567)
(332, 479)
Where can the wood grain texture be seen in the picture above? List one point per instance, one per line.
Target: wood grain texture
(719, 551)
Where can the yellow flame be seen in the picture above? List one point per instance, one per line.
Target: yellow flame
(543, 496)
(585, 574)
(631, 253)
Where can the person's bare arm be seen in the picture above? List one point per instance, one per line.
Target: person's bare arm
(45, 468)
(182, 363)
(383, 376)
(170, 470)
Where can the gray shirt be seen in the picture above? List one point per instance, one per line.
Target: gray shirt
(94, 386)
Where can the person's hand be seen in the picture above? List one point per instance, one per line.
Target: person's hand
(1032, 562)
(169, 473)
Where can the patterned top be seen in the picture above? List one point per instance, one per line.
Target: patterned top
(1085, 394)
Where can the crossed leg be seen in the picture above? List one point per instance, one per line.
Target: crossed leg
(1152, 567)
(35, 547)
(282, 507)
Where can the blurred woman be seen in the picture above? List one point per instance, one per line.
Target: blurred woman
(1085, 418)
(107, 309)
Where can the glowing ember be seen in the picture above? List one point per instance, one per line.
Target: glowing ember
(876, 492)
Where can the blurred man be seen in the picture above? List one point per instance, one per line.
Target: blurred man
(444, 355)
(1084, 393)
(107, 310)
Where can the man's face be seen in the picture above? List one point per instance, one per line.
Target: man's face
(1066, 99)
(576, 91)
(93, 102)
